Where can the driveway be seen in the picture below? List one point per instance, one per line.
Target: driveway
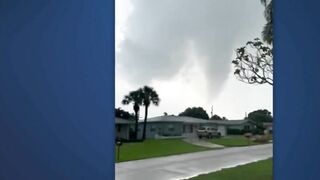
(191, 164)
(199, 142)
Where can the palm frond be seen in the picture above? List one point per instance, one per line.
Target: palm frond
(263, 2)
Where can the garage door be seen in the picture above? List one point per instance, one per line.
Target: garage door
(222, 130)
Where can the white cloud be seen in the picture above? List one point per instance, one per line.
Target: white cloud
(184, 48)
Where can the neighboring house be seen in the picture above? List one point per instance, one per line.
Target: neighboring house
(182, 126)
(268, 127)
(123, 128)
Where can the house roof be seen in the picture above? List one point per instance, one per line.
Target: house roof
(185, 119)
(267, 124)
(123, 121)
(230, 122)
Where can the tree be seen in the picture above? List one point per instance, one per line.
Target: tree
(267, 32)
(215, 117)
(123, 114)
(134, 97)
(254, 63)
(149, 96)
(259, 117)
(196, 112)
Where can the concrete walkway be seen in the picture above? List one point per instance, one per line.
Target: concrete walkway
(191, 164)
(203, 143)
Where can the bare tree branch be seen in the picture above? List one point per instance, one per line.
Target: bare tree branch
(254, 63)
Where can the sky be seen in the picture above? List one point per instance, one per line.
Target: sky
(183, 49)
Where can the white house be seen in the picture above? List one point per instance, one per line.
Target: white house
(182, 126)
(123, 128)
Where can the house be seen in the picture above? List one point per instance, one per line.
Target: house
(268, 127)
(123, 128)
(182, 126)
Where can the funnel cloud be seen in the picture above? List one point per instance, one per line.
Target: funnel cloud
(187, 41)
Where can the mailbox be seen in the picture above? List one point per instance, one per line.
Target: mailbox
(248, 135)
(118, 144)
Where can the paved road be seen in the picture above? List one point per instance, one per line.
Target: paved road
(192, 164)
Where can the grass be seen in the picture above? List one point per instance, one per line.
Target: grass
(261, 170)
(233, 141)
(155, 148)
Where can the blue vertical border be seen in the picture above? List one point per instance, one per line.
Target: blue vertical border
(56, 89)
(296, 90)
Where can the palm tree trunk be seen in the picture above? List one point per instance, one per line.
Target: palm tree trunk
(136, 126)
(145, 123)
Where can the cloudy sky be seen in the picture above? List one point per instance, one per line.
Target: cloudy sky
(183, 49)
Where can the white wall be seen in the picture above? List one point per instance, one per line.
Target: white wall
(223, 130)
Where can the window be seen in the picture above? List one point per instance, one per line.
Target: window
(170, 127)
(152, 128)
(202, 128)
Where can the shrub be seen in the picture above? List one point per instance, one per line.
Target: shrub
(261, 139)
(234, 131)
(238, 131)
(257, 131)
(244, 131)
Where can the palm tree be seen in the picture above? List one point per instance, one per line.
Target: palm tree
(267, 32)
(149, 96)
(134, 97)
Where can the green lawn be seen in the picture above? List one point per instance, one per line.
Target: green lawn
(155, 148)
(261, 170)
(233, 141)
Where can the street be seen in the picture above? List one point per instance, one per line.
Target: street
(191, 164)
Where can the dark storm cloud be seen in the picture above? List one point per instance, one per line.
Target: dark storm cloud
(158, 32)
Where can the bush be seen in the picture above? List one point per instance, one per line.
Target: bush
(244, 131)
(131, 140)
(238, 131)
(261, 139)
(234, 131)
(132, 134)
(257, 131)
